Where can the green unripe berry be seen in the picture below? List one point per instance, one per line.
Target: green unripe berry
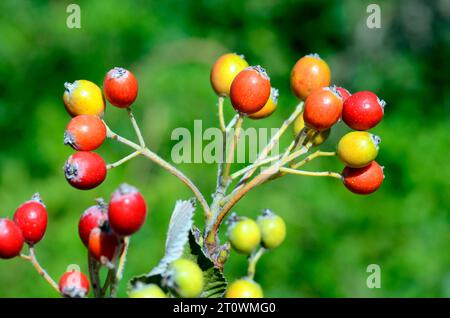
(244, 288)
(273, 229)
(147, 291)
(185, 277)
(244, 235)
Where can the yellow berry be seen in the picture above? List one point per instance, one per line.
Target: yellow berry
(83, 98)
(186, 278)
(244, 235)
(225, 70)
(357, 149)
(244, 288)
(147, 291)
(269, 107)
(273, 229)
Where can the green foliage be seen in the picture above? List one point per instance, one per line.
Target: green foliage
(332, 235)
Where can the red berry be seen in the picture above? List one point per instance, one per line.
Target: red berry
(74, 284)
(250, 90)
(31, 217)
(85, 133)
(127, 210)
(344, 93)
(363, 180)
(363, 110)
(323, 108)
(95, 216)
(11, 239)
(102, 243)
(85, 170)
(121, 87)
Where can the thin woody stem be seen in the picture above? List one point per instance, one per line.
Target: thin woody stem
(313, 156)
(41, 271)
(123, 258)
(311, 173)
(221, 115)
(136, 128)
(253, 260)
(164, 164)
(274, 140)
(237, 132)
(254, 165)
(94, 277)
(123, 160)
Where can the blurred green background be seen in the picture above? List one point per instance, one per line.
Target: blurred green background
(333, 235)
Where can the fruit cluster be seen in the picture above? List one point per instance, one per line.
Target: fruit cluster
(253, 238)
(105, 228)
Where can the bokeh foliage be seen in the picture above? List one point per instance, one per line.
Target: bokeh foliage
(170, 45)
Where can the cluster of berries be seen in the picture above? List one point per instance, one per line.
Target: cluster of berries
(251, 95)
(250, 237)
(86, 131)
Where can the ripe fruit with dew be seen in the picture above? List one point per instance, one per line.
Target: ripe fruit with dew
(85, 133)
(358, 148)
(83, 98)
(85, 170)
(250, 90)
(244, 234)
(120, 87)
(344, 93)
(323, 109)
(185, 277)
(273, 229)
(147, 291)
(102, 244)
(316, 137)
(225, 70)
(74, 284)
(363, 180)
(11, 239)
(127, 210)
(363, 110)
(94, 216)
(31, 217)
(269, 107)
(309, 74)
(244, 288)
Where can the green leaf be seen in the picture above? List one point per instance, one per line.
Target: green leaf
(215, 282)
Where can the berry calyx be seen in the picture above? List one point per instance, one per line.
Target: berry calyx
(273, 229)
(85, 170)
(363, 110)
(269, 107)
(185, 277)
(309, 74)
(103, 244)
(93, 217)
(358, 148)
(225, 70)
(31, 217)
(11, 239)
(344, 93)
(244, 288)
(243, 233)
(147, 291)
(85, 133)
(323, 108)
(83, 98)
(315, 137)
(250, 90)
(74, 284)
(127, 210)
(365, 180)
(120, 87)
